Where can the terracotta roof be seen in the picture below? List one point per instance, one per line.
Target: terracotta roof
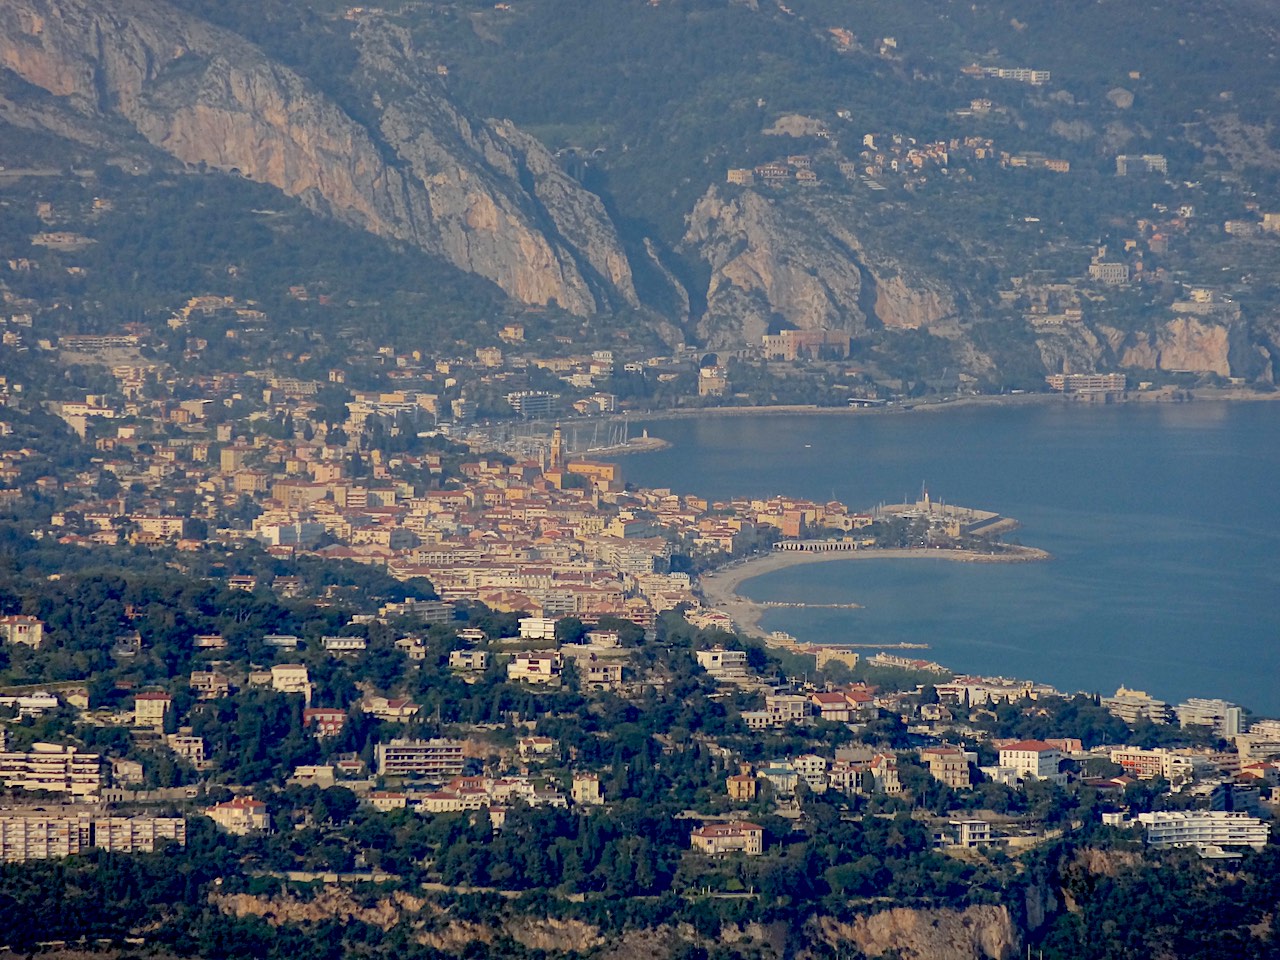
(1037, 746)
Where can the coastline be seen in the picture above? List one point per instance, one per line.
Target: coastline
(1222, 394)
(719, 589)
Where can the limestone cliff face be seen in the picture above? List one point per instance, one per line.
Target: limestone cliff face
(976, 933)
(331, 902)
(904, 307)
(1183, 345)
(767, 264)
(794, 260)
(486, 197)
(1073, 348)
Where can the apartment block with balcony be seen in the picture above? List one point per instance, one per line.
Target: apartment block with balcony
(1203, 829)
(53, 768)
(434, 759)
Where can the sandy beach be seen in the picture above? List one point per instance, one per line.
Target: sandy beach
(720, 588)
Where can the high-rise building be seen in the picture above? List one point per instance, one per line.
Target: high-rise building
(1223, 716)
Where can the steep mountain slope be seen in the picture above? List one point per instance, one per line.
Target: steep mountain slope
(485, 197)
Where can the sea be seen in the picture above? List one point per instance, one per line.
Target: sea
(1162, 519)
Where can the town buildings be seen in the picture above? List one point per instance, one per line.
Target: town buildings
(209, 684)
(967, 834)
(324, 721)
(741, 787)
(585, 790)
(1086, 382)
(1223, 717)
(536, 667)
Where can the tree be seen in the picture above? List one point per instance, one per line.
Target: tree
(570, 630)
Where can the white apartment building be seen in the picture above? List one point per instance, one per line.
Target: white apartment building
(52, 767)
(1149, 764)
(137, 834)
(1134, 705)
(1226, 719)
(344, 644)
(1203, 828)
(536, 666)
(291, 678)
(723, 664)
(538, 628)
(967, 834)
(1033, 759)
(39, 836)
(42, 838)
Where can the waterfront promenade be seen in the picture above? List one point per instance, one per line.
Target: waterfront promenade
(720, 587)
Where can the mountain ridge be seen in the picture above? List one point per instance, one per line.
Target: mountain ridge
(211, 99)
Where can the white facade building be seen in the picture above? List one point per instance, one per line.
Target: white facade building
(538, 628)
(723, 664)
(1203, 828)
(1033, 759)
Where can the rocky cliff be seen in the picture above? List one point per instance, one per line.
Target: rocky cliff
(1183, 345)
(484, 196)
(788, 261)
(767, 265)
(976, 933)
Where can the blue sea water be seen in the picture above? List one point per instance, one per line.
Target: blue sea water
(1162, 519)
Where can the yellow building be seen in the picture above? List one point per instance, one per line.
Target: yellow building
(721, 838)
(240, 816)
(149, 709)
(741, 787)
(602, 476)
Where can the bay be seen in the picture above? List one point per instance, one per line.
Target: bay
(1161, 518)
